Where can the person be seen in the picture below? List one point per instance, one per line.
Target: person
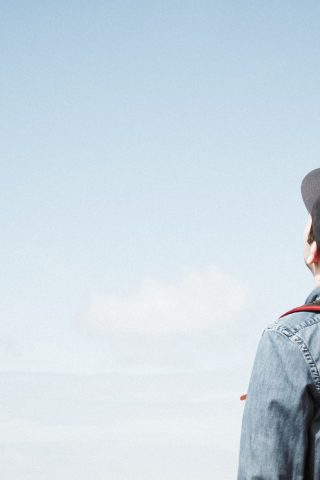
(280, 430)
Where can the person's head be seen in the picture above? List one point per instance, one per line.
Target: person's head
(310, 189)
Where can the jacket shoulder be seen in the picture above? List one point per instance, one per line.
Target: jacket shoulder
(303, 329)
(295, 322)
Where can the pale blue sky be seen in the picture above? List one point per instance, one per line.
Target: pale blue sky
(152, 153)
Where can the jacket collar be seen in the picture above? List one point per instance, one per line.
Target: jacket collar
(314, 296)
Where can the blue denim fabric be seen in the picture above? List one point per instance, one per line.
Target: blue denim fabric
(280, 431)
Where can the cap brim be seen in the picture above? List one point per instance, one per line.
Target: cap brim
(310, 188)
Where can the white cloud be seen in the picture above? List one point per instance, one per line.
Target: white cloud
(201, 301)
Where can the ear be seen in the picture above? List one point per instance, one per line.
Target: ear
(314, 254)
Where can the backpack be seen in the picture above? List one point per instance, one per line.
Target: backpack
(303, 308)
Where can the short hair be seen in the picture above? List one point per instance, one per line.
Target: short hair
(314, 233)
(310, 238)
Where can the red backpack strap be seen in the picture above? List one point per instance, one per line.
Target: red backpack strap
(302, 308)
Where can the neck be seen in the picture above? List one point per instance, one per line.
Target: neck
(316, 278)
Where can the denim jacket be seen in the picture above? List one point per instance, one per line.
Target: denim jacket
(280, 431)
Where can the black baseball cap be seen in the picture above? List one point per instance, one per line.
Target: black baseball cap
(310, 191)
(310, 188)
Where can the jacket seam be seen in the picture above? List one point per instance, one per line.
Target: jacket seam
(294, 338)
(305, 324)
(302, 325)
